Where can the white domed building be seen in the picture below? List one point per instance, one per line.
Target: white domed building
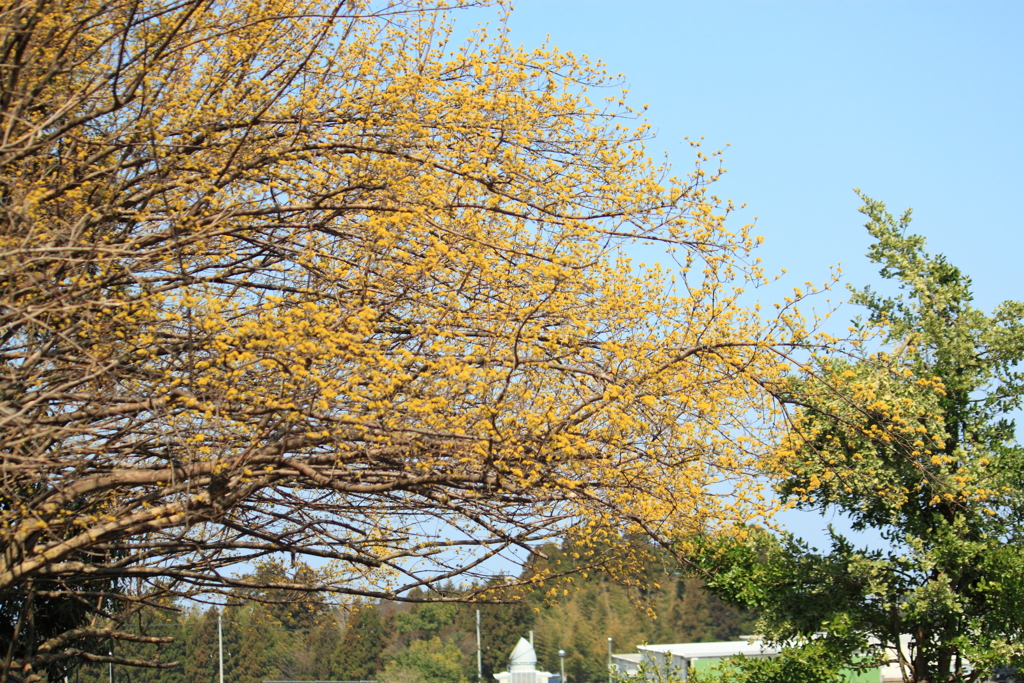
(523, 666)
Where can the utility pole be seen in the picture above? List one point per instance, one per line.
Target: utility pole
(479, 661)
(609, 660)
(220, 646)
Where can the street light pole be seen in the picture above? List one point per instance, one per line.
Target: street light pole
(561, 656)
(609, 660)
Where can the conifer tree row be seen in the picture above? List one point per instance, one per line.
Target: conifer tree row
(430, 642)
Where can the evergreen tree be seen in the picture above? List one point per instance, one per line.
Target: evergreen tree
(259, 647)
(359, 656)
(321, 648)
(200, 663)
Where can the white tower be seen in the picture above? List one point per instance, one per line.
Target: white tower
(523, 666)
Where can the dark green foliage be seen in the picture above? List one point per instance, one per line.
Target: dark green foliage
(427, 619)
(38, 611)
(38, 618)
(256, 647)
(319, 657)
(289, 608)
(361, 652)
(701, 616)
(500, 627)
(200, 664)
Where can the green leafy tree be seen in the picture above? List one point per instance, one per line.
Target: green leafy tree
(654, 672)
(426, 619)
(915, 441)
(426, 661)
(812, 662)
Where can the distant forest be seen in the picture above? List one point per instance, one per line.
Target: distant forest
(401, 642)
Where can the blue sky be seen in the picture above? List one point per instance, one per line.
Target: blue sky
(916, 103)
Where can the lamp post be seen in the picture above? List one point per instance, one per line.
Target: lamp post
(561, 656)
(609, 659)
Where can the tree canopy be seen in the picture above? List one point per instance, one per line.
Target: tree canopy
(307, 279)
(917, 442)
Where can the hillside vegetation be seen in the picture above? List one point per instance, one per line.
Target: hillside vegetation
(431, 642)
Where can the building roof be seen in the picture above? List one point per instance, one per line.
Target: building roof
(524, 658)
(710, 650)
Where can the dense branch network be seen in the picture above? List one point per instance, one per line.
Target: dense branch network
(304, 278)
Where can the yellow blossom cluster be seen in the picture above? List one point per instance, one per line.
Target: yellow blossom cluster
(874, 437)
(309, 277)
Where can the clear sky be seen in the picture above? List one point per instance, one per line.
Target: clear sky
(916, 103)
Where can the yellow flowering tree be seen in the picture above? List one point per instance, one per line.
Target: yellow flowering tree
(307, 277)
